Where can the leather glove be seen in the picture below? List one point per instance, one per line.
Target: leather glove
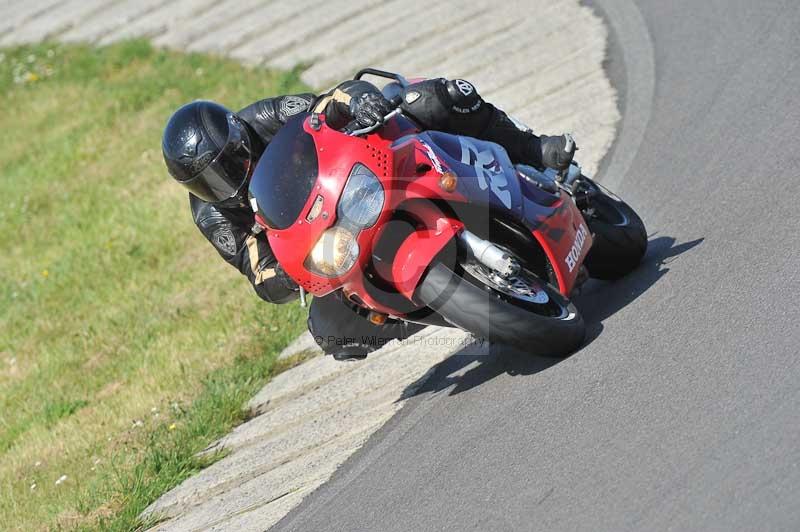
(369, 108)
(557, 152)
(285, 280)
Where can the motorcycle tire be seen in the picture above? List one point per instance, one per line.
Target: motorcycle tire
(480, 309)
(619, 237)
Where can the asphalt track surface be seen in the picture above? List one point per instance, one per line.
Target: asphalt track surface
(683, 411)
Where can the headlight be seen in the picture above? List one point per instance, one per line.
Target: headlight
(360, 206)
(334, 253)
(362, 200)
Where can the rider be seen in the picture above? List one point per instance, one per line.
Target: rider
(212, 152)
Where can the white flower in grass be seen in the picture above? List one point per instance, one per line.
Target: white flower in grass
(31, 58)
(61, 480)
(33, 486)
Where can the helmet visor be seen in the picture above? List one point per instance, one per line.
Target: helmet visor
(227, 173)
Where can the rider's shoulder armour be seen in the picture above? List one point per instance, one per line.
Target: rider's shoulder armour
(218, 227)
(434, 102)
(464, 97)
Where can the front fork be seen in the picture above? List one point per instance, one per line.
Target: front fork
(491, 256)
(504, 265)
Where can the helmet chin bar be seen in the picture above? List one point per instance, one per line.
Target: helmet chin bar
(238, 200)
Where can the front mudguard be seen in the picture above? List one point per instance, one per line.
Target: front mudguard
(418, 251)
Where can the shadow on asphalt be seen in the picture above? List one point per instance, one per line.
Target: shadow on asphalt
(474, 365)
(600, 299)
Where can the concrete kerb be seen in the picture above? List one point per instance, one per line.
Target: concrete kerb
(311, 418)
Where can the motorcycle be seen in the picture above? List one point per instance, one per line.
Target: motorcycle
(441, 229)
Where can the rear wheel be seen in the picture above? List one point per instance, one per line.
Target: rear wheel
(522, 311)
(619, 235)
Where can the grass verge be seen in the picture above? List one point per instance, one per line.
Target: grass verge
(126, 344)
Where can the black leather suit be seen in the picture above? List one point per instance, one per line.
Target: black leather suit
(451, 106)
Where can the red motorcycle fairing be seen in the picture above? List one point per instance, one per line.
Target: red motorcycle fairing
(410, 169)
(421, 247)
(293, 244)
(565, 239)
(488, 179)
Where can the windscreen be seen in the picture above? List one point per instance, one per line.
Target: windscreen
(285, 175)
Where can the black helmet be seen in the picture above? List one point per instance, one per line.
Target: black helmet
(208, 149)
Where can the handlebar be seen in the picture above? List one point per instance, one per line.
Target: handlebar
(382, 74)
(370, 129)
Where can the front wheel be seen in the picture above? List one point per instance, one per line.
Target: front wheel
(619, 235)
(523, 312)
